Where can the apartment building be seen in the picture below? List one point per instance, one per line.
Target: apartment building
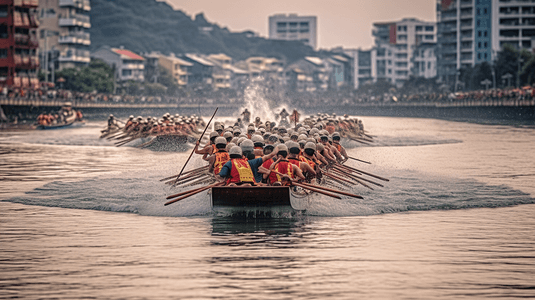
(179, 68)
(294, 28)
(64, 39)
(474, 31)
(18, 44)
(128, 65)
(395, 44)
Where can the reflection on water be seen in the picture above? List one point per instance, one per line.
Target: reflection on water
(236, 230)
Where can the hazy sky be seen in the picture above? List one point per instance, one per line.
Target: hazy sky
(346, 23)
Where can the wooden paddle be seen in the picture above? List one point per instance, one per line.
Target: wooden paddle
(333, 190)
(317, 190)
(357, 177)
(366, 162)
(190, 171)
(192, 192)
(193, 150)
(369, 174)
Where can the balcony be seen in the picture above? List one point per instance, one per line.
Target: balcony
(76, 20)
(25, 61)
(80, 38)
(26, 3)
(80, 4)
(75, 55)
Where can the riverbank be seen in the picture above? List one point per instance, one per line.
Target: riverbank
(462, 109)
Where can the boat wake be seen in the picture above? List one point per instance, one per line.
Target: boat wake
(408, 191)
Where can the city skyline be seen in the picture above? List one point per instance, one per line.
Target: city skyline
(355, 17)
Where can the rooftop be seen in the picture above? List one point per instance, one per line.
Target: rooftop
(127, 54)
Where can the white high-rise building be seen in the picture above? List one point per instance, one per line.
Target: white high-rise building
(474, 31)
(294, 28)
(397, 45)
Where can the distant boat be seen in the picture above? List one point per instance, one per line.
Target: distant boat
(70, 117)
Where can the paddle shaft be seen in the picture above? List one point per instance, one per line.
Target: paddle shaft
(193, 150)
(369, 174)
(335, 191)
(361, 178)
(356, 179)
(190, 171)
(193, 192)
(366, 162)
(316, 190)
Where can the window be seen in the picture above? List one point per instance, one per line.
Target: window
(485, 44)
(485, 55)
(485, 33)
(3, 11)
(428, 28)
(484, 11)
(402, 37)
(127, 73)
(3, 53)
(479, 44)
(479, 56)
(303, 24)
(429, 37)
(429, 65)
(479, 33)
(281, 24)
(419, 28)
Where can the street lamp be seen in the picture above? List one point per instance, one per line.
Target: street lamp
(486, 83)
(520, 61)
(507, 77)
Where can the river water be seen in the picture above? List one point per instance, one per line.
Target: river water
(80, 218)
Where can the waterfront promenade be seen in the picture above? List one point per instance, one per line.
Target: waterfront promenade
(460, 108)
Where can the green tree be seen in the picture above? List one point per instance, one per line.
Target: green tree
(97, 76)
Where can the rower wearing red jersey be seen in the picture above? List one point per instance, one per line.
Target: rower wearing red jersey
(282, 166)
(237, 170)
(293, 158)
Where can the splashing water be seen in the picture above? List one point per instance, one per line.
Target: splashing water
(256, 103)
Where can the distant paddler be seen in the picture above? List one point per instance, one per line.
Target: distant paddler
(246, 116)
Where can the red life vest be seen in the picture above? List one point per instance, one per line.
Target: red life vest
(240, 171)
(338, 147)
(295, 161)
(283, 167)
(221, 158)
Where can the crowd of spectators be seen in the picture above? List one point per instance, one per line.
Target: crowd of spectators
(296, 99)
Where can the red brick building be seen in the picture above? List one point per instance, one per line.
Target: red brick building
(18, 44)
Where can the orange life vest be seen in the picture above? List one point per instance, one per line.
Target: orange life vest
(240, 171)
(221, 158)
(338, 147)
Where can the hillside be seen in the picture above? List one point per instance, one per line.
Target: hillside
(148, 25)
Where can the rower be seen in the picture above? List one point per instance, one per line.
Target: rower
(340, 148)
(283, 166)
(258, 142)
(210, 148)
(246, 116)
(228, 136)
(250, 131)
(293, 158)
(237, 170)
(221, 157)
(247, 148)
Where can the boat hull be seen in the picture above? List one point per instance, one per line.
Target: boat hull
(254, 197)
